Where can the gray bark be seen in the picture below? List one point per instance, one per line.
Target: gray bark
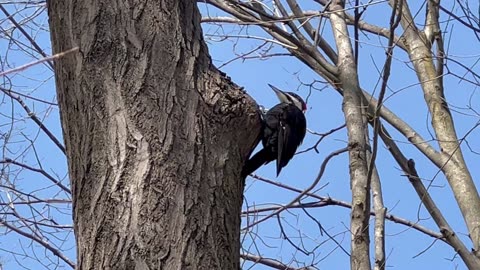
(454, 166)
(156, 137)
(353, 109)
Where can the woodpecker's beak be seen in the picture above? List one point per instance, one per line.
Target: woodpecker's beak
(280, 94)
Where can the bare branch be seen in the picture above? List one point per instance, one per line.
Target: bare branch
(455, 169)
(332, 201)
(408, 167)
(40, 241)
(353, 110)
(307, 190)
(380, 258)
(268, 262)
(36, 120)
(53, 57)
(32, 41)
(41, 171)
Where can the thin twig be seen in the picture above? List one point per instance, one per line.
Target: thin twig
(43, 172)
(32, 41)
(55, 56)
(40, 241)
(37, 121)
(307, 190)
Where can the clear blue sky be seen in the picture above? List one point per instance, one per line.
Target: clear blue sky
(405, 248)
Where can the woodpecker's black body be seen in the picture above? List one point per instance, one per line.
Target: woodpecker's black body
(283, 130)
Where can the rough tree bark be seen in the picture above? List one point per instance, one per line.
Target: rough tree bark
(154, 134)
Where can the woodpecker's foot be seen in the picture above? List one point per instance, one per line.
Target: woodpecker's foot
(262, 113)
(262, 109)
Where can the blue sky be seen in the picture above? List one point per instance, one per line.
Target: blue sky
(405, 247)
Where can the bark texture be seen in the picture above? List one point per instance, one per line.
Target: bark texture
(156, 137)
(353, 109)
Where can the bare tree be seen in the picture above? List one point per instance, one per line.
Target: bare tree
(425, 48)
(156, 136)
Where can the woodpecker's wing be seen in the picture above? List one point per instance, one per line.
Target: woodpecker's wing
(292, 129)
(284, 130)
(283, 146)
(271, 126)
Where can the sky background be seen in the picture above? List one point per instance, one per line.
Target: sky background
(405, 248)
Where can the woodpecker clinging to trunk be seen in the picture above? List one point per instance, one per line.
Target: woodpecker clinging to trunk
(283, 130)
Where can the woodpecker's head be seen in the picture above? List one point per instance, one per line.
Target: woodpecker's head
(289, 97)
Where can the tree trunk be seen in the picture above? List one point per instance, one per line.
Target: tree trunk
(156, 137)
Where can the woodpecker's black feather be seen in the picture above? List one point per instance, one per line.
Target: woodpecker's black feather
(284, 128)
(260, 158)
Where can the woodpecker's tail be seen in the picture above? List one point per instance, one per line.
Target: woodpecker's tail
(260, 158)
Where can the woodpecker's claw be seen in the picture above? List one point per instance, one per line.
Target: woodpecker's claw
(263, 112)
(262, 109)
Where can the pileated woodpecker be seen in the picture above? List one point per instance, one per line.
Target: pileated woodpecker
(283, 130)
